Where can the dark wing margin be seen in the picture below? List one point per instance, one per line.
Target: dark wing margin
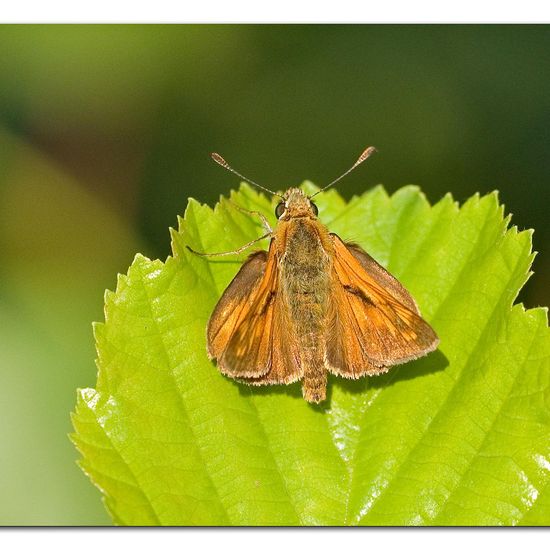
(374, 323)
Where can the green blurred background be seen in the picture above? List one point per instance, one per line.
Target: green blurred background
(106, 130)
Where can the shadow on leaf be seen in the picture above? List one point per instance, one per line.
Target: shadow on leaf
(292, 390)
(432, 363)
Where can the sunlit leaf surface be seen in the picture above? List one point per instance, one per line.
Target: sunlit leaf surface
(461, 437)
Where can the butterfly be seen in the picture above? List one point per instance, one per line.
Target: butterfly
(311, 305)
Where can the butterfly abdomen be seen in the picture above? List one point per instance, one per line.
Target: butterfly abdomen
(305, 277)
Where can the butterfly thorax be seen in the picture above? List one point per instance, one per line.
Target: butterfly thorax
(305, 270)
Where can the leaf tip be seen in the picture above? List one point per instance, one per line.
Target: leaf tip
(376, 191)
(98, 328)
(89, 396)
(140, 260)
(192, 210)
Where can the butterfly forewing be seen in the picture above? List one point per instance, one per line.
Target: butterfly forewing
(248, 332)
(238, 330)
(374, 321)
(285, 364)
(379, 274)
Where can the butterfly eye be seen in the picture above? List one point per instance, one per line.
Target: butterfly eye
(280, 210)
(314, 208)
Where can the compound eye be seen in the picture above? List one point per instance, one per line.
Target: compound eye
(280, 209)
(314, 208)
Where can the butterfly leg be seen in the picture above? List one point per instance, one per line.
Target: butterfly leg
(265, 223)
(237, 251)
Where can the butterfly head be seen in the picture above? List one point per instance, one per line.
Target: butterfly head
(295, 204)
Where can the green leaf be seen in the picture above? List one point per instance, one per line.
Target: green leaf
(460, 437)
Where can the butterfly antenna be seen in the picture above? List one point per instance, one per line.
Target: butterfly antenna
(362, 158)
(222, 162)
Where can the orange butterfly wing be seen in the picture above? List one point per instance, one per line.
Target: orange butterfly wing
(248, 332)
(373, 323)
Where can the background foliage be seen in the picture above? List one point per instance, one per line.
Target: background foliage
(105, 132)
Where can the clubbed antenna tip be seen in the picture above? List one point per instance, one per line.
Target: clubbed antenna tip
(362, 157)
(222, 162)
(219, 159)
